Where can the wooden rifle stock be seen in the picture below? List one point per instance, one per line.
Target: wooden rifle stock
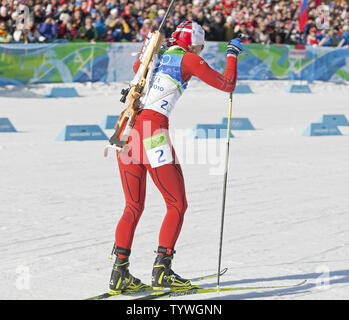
(128, 116)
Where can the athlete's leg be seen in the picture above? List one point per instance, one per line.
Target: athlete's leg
(133, 177)
(169, 180)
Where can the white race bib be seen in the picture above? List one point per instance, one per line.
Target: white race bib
(158, 150)
(162, 95)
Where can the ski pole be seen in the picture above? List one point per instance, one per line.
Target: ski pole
(224, 187)
(112, 252)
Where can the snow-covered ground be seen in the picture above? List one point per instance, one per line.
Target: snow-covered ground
(287, 210)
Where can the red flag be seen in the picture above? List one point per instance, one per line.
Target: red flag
(303, 15)
(317, 3)
(89, 5)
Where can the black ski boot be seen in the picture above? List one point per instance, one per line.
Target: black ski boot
(162, 275)
(121, 279)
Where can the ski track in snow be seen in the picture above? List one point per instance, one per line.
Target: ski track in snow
(287, 215)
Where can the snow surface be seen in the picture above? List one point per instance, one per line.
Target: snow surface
(287, 209)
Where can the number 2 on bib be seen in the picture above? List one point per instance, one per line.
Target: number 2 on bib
(160, 154)
(163, 106)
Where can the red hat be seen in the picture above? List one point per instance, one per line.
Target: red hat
(189, 33)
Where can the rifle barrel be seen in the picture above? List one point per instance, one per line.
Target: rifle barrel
(166, 15)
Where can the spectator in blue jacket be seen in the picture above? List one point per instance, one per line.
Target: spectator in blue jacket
(345, 36)
(48, 29)
(99, 22)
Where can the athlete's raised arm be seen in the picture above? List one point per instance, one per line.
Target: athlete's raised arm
(194, 65)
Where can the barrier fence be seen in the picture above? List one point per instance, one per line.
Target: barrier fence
(85, 62)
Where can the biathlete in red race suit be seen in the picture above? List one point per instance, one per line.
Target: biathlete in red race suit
(150, 150)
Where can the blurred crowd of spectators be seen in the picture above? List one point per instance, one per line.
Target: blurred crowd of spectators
(257, 21)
